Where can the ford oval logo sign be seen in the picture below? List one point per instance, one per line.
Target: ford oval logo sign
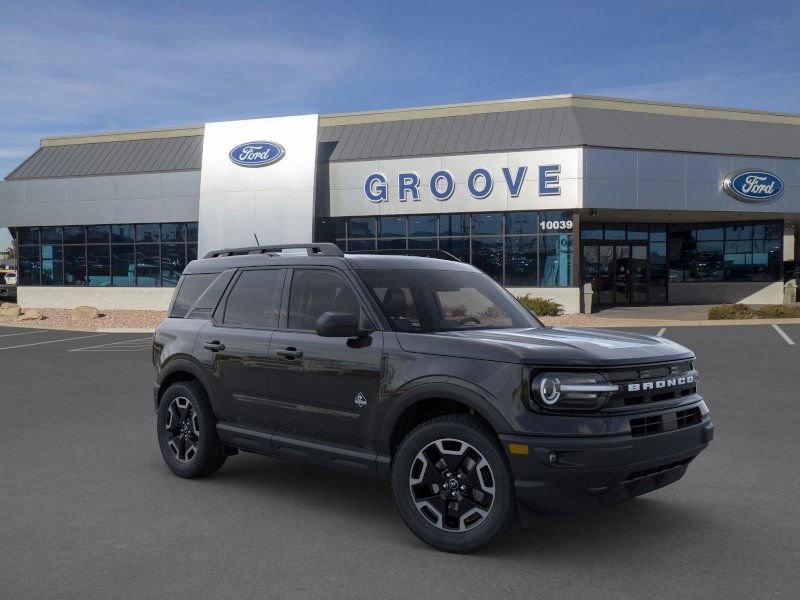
(753, 186)
(257, 154)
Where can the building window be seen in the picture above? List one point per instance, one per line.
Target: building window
(726, 252)
(144, 254)
(516, 249)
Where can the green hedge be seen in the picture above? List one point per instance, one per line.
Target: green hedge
(747, 311)
(541, 307)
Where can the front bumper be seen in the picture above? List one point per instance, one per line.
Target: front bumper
(562, 475)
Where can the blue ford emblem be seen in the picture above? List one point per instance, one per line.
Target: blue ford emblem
(753, 186)
(257, 154)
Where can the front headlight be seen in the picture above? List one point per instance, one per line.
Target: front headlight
(571, 391)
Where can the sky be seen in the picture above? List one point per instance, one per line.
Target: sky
(77, 67)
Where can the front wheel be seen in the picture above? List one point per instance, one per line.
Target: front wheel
(452, 484)
(187, 431)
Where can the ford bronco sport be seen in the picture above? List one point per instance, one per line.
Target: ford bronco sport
(424, 372)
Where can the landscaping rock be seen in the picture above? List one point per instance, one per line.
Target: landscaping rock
(8, 304)
(31, 315)
(11, 311)
(84, 313)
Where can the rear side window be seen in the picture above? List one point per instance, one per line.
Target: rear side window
(189, 291)
(255, 299)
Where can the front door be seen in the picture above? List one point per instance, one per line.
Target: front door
(325, 389)
(618, 272)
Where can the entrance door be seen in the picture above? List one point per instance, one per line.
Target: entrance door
(618, 272)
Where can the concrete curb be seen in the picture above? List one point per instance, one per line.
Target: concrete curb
(42, 325)
(672, 323)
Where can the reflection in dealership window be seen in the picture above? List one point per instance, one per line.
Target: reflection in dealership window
(75, 265)
(555, 260)
(512, 247)
(104, 255)
(99, 258)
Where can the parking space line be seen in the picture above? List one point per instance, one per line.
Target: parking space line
(136, 341)
(82, 337)
(24, 333)
(782, 333)
(661, 332)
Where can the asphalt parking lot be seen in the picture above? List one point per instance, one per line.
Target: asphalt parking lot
(88, 510)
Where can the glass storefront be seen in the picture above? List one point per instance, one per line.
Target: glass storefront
(142, 255)
(517, 249)
(633, 263)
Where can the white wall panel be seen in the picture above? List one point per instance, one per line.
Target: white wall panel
(645, 180)
(108, 199)
(275, 201)
(347, 183)
(660, 195)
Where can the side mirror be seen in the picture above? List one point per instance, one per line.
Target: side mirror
(339, 324)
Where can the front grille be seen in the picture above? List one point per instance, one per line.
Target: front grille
(650, 384)
(671, 421)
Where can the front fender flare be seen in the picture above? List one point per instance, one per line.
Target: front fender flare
(448, 388)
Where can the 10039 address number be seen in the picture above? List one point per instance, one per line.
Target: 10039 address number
(556, 225)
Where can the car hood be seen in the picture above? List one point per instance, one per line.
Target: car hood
(547, 346)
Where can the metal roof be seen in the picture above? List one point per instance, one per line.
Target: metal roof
(519, 124)
(489, 132)
(560, 127)
(182, 153)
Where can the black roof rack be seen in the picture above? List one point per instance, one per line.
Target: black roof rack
(431, 253)
(321, 249)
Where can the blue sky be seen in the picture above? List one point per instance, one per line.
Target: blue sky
(74, 67)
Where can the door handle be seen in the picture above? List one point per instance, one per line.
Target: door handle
(214, 346)
(290, 353)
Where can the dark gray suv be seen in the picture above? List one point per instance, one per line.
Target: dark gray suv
(424, 372)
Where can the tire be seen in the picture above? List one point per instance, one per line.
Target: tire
(189, 445)
(467, 501)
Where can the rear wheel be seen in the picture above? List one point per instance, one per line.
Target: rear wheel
(187, 433)
(452, 484)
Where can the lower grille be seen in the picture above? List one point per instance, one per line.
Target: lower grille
(655, 471)
(667, 422)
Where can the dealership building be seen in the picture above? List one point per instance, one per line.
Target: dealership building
(650, 203)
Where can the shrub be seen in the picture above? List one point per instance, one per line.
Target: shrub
(731, 311)
(541, 307)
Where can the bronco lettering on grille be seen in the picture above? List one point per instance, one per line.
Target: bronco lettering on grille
(659, 384)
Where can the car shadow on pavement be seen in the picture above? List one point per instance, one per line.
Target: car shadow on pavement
(605, 534)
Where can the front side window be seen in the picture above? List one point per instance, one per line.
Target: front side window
(317, 291)
(429, 301)
(254, 300)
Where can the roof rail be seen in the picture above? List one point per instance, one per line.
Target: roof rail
(425, 253)
(321, 249)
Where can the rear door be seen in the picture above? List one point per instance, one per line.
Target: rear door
(234, 345)
(324, 389)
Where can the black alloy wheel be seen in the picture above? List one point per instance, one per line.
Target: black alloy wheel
(187, 431)
(452, 483)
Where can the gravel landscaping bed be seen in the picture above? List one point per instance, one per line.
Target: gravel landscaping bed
(58, 318)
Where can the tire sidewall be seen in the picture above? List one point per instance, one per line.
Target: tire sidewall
(502, 511)
(208, 446)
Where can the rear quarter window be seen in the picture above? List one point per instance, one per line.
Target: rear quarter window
(189, 290)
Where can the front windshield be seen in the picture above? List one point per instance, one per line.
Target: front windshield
(428, 300)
